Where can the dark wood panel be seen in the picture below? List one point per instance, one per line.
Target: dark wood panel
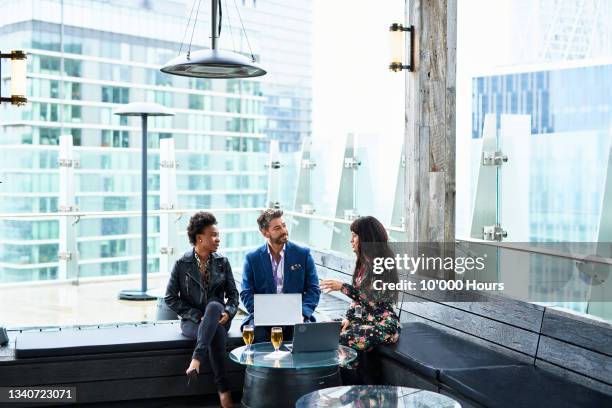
(574, 377)
(509, 336)
(333, 260)
(118, 390)
(327, 273)
(98, 370)
(490, 305)
(579, 330)
(577, 359)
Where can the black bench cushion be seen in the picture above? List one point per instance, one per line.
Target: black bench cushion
(70, 342)
(522, 386)
(428, 350)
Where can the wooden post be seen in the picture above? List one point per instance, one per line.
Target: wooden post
(430, 122)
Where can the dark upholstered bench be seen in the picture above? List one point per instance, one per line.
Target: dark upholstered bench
(486, 350)
(70, 342)
(479, 375)
(521, 387)
(114, 363)
(428, 350)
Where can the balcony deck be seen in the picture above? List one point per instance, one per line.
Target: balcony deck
(95, 301)
(467, 336)
(92, 301)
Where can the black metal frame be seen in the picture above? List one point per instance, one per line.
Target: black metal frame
(395, 66)
(13, 99)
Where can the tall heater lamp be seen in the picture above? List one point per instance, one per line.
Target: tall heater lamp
(144, 110)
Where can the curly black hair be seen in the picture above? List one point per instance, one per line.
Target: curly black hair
(198, 222)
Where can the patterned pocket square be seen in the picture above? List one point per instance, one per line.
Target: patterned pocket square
(296, 266)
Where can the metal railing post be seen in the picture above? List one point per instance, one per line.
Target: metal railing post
(68, 251)
(168, 238)
(274, 166)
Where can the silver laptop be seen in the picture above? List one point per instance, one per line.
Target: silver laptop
(310, 337)
(282, 309)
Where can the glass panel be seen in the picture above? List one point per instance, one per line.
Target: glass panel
(541, 98)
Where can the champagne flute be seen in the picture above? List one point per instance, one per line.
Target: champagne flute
(248, 334)
(277, 338)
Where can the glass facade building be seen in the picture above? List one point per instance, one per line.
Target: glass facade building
(86, 58)
(557, 100)
(568, 114)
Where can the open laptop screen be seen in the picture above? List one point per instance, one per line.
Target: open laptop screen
(282, 309)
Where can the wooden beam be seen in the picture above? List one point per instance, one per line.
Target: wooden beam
(430, 122)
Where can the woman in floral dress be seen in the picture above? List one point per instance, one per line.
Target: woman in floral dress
(370, 319)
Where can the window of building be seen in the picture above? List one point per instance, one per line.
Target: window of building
(49, 65)
(76, 136)
(75, 90)
(115, 138)
(72, 67)
(49, 136)
(115, 94)
(196, 101)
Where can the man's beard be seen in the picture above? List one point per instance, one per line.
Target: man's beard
(281, 240)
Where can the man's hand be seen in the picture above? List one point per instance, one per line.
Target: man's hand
(345, 325)
(330, 285)
(224, 318)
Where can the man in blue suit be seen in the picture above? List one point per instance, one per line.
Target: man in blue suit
(279, 266)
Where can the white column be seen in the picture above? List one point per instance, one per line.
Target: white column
(168, 234)
(68, 255)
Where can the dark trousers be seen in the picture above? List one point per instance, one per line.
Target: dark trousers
(211, 340)
(262, 334)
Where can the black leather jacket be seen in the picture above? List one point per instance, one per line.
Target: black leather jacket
(185, 293)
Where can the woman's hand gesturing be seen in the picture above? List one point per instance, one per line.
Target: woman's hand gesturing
(330, 285)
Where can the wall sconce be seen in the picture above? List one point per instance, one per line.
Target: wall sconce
(18, 78)
(398, 47)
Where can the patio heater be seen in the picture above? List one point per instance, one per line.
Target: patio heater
(214, 63)
(144, 110)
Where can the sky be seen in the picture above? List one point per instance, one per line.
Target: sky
(355, 92)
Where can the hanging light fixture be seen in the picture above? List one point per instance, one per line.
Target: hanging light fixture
(213, 63)
(18, 78)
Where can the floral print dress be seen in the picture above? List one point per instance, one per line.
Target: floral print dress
(378, 323)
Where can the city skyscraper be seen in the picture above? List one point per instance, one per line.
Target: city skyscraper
(561, 30)
(88, 57)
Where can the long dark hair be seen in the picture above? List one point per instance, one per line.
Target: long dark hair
(373, 243)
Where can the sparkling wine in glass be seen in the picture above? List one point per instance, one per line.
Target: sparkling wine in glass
(277, 338)
(248, 334)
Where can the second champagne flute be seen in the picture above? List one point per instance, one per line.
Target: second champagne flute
(277, 338)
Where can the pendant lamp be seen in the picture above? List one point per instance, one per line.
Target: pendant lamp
(213, 63)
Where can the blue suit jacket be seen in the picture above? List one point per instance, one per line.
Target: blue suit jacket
(300, 276)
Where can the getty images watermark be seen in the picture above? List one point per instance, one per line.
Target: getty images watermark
(529, 271)
(424, 264)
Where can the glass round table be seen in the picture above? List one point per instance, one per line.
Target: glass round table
(375, 396)
(278, 379)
